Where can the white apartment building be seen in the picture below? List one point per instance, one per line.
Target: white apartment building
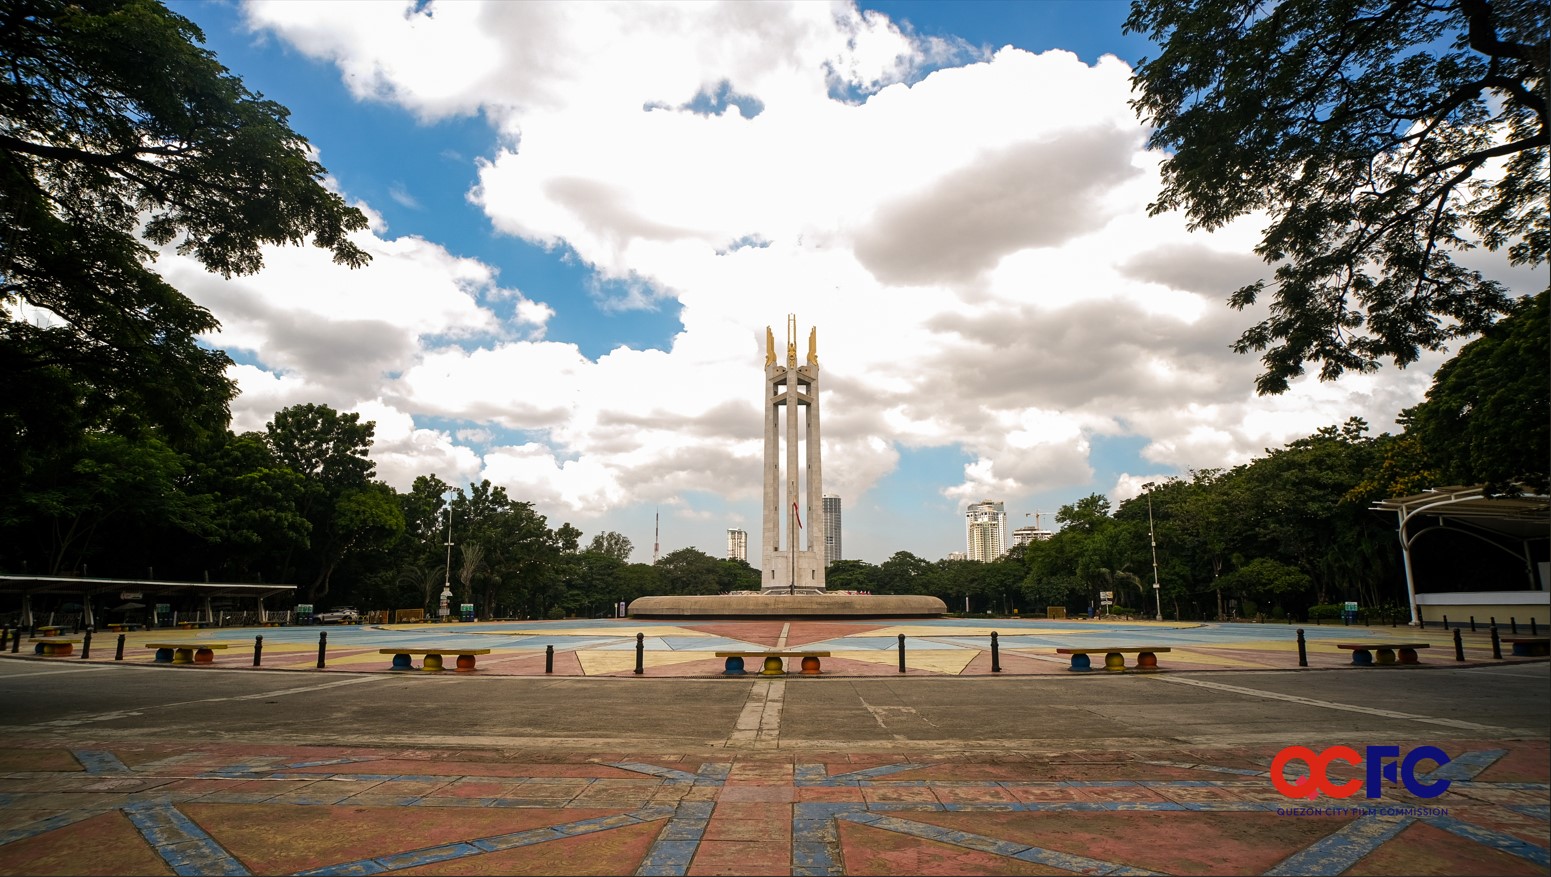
(737, 544)
(985, 525)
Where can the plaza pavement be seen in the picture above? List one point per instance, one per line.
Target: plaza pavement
(933, 647)
(122, 767)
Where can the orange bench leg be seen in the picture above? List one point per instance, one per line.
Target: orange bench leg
(465, 662)
(1408, 656)
(204, 656)
(1146, 661)
(810, 666)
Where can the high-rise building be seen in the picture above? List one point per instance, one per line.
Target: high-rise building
(985, 525)
(1025, 535)
(737, 544)
(831, 529)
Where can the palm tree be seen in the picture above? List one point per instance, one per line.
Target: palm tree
(473, 555)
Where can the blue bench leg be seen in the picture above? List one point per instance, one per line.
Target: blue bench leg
(734, 667)
(401, 662)
(163, 656)
(1362, 657)
(1080, 663)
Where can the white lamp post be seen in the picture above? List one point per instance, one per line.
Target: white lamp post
(1157, 593)
(441, 608)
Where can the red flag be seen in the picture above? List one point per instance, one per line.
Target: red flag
(797, 515)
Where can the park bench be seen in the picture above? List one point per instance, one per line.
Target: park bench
(433, 657)
(194, 625)
(54, 647)
(772, 661)
(1114, 657)
(121, 626)
(1529, 646)
(48, 630)
(185, 652)
(1367, 654)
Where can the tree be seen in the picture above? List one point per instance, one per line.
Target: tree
(329, 451)
(1486, 415)
(1369, 131)
(116, 128)
(612, 544)
(851, 575)
(689, 571)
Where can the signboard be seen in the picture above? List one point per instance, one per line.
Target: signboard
(1106, 595)
(1106, 602)
(130, 595)
(303, 613)
(1351, 607)
(466, 612)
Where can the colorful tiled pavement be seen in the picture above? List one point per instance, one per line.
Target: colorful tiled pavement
(115, 807)
(933, 647)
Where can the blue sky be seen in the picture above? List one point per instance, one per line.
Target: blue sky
(586, 214)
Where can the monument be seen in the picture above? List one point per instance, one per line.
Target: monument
(789, 563)
(792, 544)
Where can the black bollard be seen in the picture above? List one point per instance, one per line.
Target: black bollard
(1532, 631)
(1497, 645)
(1303, 650)
(1445, 622)
(640, 653)
(549, 659)
(1493, 620)
(996, 654)
(323, 640)
(1513, 625)
(34, 633)
(1472, 624)
(5, 634)
(901, 653)
(86, 644)
(1459, 646)
(258, 649)
(16, 641)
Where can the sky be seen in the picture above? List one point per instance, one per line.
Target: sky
(584, 215)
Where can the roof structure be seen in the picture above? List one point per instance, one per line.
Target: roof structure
(88, 588)
(1509, 522)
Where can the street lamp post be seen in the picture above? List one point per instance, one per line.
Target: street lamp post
(447, 579)
(1157, 592)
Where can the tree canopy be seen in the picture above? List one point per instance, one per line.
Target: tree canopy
(118, 132)
(1382, 137)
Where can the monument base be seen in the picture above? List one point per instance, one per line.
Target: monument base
(787, 606)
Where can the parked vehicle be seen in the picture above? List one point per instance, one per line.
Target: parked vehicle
(341, 615)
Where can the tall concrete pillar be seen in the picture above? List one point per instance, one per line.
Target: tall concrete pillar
(789, 562)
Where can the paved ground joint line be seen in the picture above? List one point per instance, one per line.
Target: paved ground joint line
(1347, 707)
(759, 724)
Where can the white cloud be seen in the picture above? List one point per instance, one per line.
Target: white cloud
(973, 246)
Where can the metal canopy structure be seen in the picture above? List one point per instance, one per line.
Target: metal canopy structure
(1510, 523)
(87, 589)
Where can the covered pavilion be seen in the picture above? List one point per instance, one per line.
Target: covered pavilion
(1519, 526)
(90, 592)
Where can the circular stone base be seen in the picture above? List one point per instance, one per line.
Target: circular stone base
(787, 605)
